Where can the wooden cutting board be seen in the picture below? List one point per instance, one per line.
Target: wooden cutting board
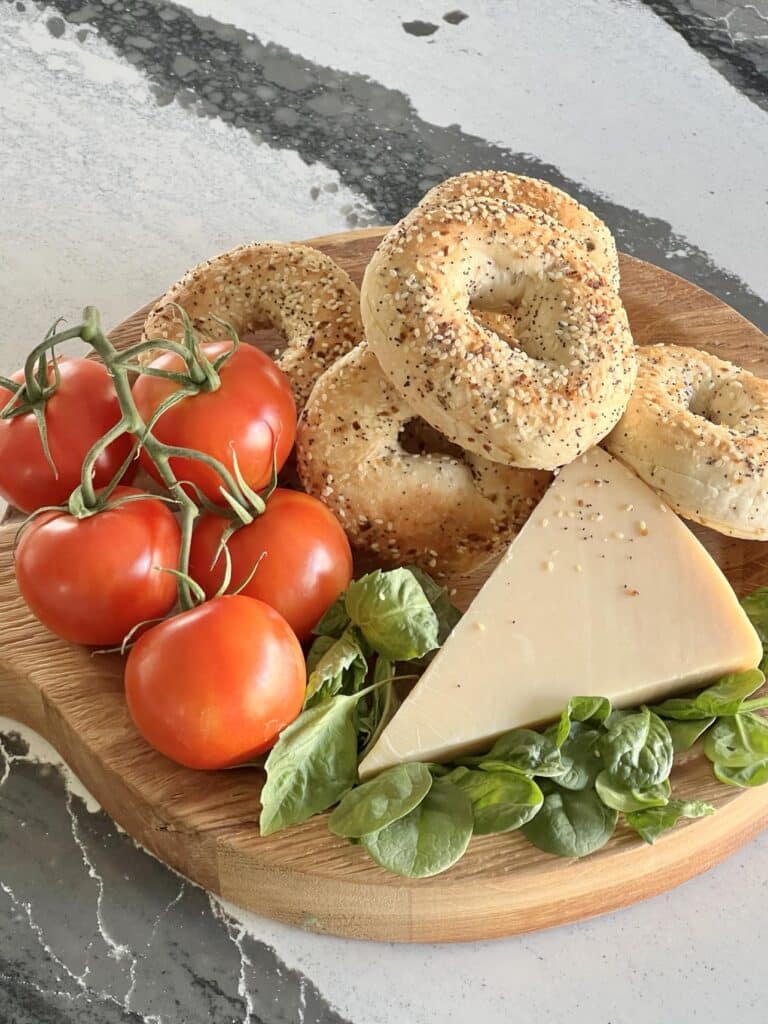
(205, 825)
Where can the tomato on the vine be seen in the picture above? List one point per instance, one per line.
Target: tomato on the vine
(252, 413)
(77, 414)
(303, 555)
(93, 580)
(214, 686)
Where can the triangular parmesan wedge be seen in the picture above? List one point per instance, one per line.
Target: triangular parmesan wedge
(603, 592)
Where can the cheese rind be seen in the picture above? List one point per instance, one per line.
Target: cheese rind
(604, 592)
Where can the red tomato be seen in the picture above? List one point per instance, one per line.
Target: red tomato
(306, 563)
(92, 580)
(82, 409)
(252, 410)
(214, 686)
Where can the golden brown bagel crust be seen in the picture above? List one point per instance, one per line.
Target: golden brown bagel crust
(444, 512)
(294, 288)
(696, 430)
(537, 406)
(516, 188)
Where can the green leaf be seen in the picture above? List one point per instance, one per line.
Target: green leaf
(754, 774)
(581, 709)
(428, 840)
(636, 749)
(651, 822)
(335, 620)
(738, 740)
(685, 734)
(724, 698)
(377, 709)
(312, 765)
(393, 614)
(384, 799)
(333, 666)
(525, 751)
(621, 799)
(501, 800)
(571, 824)
(581, 756)
(447, 613)
(756, 607)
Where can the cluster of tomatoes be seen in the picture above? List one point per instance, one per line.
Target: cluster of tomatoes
(213, 685)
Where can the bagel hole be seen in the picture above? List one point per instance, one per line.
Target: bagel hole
(700, 403)
(417, 437)
(268, 339)
(501, 322)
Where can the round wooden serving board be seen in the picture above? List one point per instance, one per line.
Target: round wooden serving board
(205, 825)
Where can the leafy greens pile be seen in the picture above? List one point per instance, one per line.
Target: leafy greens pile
(563, 787)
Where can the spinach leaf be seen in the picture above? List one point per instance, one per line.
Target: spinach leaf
(623, 799)
(636, 749)
(382, 800)
(738, 741)
(393, 614)
(581, 709)
(312, 765)
(571, 824)
(685, 734)
(335, 620)
(447, 613)
(335, 665)
(725, 697)
(428, 840)
(581, 756)
(651, 822)
(525, 751)
(756, 607)
(753, 774)
(376, 710)
(501, 800)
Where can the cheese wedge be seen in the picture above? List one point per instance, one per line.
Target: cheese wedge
(604, 592)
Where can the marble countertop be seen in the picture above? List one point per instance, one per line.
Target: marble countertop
(139, 137)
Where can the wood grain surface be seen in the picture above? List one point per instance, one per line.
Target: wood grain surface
(205, 825)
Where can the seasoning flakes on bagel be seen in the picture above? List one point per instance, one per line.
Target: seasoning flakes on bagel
(293, 288)
(696, 430)
(538, 404)
(399, 499)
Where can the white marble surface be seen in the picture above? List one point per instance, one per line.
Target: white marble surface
(108, 191)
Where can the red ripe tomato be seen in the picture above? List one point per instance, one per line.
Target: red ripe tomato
(214, 686)
(82, 409)
(252, 411)
(306, 561)
(92, 580)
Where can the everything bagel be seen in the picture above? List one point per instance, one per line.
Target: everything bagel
(516, 188)
(446, 511)
(539, 405)
(296, 289)
(696, 430)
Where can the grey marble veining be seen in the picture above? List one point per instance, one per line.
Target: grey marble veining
(138, 136)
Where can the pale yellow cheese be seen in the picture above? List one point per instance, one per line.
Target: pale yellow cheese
(604, 592)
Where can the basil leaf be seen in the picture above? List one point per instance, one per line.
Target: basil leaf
(393, 614)
(335, 620)
(653, 821)
(447, 613)
(501, 801)
(571, 824)
(382, 800)
(756, 607)
(621, 799)
(685, 734)
(312, 765)
(636, 749)
(581, 709)
(428, 840)
(581, 756)
(724, 698)
(753, 774)
(738, 741)
(525, 751)
(334, 665)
